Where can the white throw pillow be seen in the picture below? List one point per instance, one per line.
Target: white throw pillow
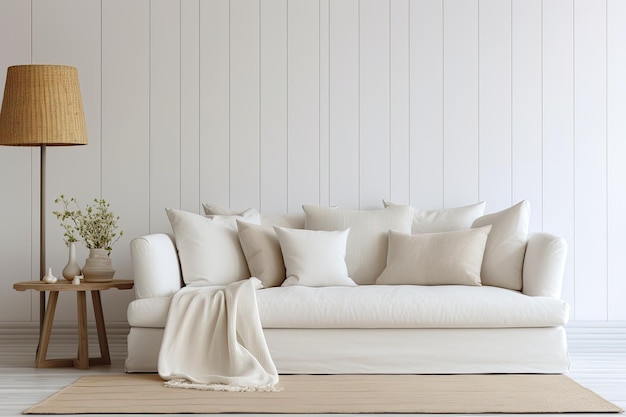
(366, 253)
(443, 220)
(314, 258)
(448, 258)
(506, 246)
(262, 251)
(209, 248)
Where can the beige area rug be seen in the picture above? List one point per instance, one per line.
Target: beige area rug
(467, 394)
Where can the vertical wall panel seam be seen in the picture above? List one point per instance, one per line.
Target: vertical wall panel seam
(101, 90)
(408, 156)
(329, 102)
(180, 104)
(319, 86)
(287, 105)
(389, 99)
(259, 111)
(478, 94)
(149, 115)
(443, 105)
(319, 101)
(542, 175)
(606, 148)
(410, 94)
(199, 101)
(512, 142)
(359, 100)
(229, 112)
(574, 140)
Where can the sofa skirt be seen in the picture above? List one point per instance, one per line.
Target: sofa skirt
(392, 351)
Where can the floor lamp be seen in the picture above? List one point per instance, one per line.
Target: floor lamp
(42, 106)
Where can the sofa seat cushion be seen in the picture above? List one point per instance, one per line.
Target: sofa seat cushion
(407, 306)
(386, 306)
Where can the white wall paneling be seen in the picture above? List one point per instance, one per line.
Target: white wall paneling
(590, 198)
(399, 117)
(426, 104)
(244, 104)
(494, 114)
(125, 148)
(303, 121)
(373, 102)
(278, 103)
(273, 106)
(558, 130)
(344, 104)
(16, 239)
(324, 102)
(460, 102)
(616, 153)
(190, 105)
(527, 106)
(214, 147)
(165, 97)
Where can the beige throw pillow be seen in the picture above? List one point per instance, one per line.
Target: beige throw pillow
(443, 220)
(262, 251)
(449, 258)
(366, 253)
(506, 246)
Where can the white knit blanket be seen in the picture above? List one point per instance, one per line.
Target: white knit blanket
(213, 340)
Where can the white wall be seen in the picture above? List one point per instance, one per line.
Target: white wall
(273, 104)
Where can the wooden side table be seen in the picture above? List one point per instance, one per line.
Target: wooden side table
(82, 361)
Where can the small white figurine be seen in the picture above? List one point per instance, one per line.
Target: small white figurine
(49, 278)
(76, 280)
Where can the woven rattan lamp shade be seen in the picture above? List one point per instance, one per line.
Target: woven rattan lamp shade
(42, 105)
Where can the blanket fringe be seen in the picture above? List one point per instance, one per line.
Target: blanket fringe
(184, 383)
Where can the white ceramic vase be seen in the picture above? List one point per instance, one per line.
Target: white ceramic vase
(98, 266)
(49, 278)
(71, 269)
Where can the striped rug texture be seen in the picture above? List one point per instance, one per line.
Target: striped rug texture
(299, 394)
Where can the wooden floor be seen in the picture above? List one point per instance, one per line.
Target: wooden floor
(598, 354)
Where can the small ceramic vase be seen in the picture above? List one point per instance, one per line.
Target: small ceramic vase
(49, 278)
(77, 279)
(71, 269)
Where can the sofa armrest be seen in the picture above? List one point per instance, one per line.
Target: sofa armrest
(156, 269)
(544, 264)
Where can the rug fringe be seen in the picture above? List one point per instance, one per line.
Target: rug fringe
(184, 383)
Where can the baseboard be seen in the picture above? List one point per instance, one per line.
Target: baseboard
(596, 327)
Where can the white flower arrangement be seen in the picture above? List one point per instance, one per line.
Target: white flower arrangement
(97, 225)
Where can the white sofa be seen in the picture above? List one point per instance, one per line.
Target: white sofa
(374, 328)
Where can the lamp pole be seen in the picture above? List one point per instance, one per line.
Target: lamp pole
(42, 231)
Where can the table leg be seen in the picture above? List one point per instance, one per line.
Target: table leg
(82, 362)
(105, 358)
(46, 329)
(44, 337)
